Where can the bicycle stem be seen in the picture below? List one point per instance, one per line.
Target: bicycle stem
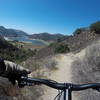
(69, 94)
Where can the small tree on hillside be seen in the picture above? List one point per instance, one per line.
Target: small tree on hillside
(78, 31)
(95, 27)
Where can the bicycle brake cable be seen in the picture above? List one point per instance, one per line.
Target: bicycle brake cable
(59, 95)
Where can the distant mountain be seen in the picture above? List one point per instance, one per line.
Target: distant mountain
(11, 32)
(46, 36)
(6, 32)
(20, 32)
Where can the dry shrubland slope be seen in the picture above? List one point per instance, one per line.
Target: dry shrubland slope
(81, 67)
(86, 69)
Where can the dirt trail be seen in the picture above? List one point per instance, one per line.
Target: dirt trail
(62, 74)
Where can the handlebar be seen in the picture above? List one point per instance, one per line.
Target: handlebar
(60, 86)
(76, 87)
(50, 83)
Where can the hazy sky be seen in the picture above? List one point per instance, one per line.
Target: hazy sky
(53, 16)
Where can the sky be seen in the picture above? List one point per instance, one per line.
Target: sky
(52, 16)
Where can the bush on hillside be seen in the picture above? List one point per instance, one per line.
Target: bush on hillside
(15, 55)
(61, 48)
(95, 27)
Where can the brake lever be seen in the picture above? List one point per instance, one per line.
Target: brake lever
(22, 83)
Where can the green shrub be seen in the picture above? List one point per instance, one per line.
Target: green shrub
(52, 44)
(62, 48)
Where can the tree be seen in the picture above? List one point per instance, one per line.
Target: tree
(95, 27)
(78, 31)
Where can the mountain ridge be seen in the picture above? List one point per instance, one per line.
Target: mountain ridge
(47, 36)
(5, 32)
(11, 32)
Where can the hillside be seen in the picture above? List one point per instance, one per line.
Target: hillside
(80, 41)
(46, 36)
(74, 43)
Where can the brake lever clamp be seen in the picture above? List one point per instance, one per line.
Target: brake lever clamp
(21, 83)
